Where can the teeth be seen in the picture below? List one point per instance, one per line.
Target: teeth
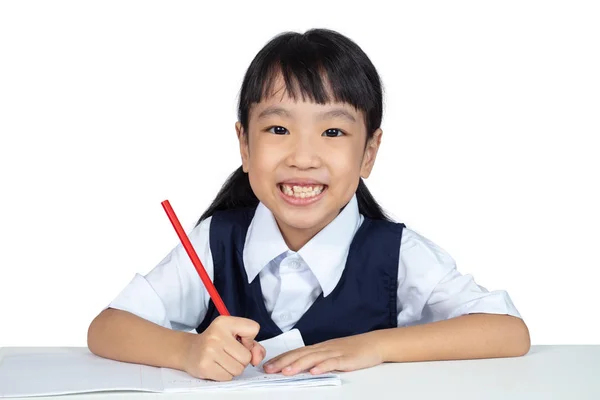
(301, 192)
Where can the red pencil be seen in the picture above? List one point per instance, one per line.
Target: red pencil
(212, 291)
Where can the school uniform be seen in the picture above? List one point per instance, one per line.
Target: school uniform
(354, 276)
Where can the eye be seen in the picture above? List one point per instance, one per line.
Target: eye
(278, 130)
(333, 132)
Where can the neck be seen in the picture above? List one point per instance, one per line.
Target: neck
(296, 238)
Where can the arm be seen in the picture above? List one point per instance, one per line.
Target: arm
(215, 354)
(122, 336)
(465, 337)
(146, 322)
(448, 315)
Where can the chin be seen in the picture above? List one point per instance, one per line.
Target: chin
(302, 220)
(303, 217)
(299, 223)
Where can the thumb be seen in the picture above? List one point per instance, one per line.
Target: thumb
(258, 353)
(256, 349)
(247, 342)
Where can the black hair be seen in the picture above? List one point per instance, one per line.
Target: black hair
(320, 63)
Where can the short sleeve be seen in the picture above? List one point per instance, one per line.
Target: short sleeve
(172, 294)
(430, 288)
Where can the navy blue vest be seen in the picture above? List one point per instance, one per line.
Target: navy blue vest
(363, 300)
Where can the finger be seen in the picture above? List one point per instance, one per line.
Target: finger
(276, 364)
(247, 342)
(218, 373)
(237, 326)
(332, 364)
(307, 362)
(229, 364)
(238, 351)
(289, 357)
(258, 353)
(245, 328)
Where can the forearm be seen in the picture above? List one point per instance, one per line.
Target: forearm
(466, 337)
(123, 336)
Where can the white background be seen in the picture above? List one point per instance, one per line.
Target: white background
(490, 145)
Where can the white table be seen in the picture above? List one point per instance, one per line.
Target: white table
(547, 372)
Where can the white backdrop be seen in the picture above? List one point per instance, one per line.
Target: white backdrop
(490, 145)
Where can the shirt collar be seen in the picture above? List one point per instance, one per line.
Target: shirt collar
(263, 242)
(325, 254)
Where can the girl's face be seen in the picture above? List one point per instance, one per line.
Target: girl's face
(304, 161)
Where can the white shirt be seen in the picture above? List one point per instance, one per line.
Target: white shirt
(430, 288)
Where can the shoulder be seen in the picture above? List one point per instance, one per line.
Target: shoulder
(380, 225)
(201, 231)
(226, 228)
(219, 218)
(420, 255)
(199, 237)
(418, 243)
(234, 216)
(413, 245)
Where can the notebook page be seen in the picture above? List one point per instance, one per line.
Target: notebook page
(79, 371)
(26, 375)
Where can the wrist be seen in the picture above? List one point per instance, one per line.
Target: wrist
(182, 343)
(383, 343)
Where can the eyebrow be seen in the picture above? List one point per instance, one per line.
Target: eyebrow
(282, 112)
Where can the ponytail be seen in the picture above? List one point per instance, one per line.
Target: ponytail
(237, 193)
(367, 205)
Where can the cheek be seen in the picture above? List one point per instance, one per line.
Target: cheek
(345, 168)
(262, 160)
(346, 163)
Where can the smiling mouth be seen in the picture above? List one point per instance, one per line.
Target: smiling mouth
(301, 191)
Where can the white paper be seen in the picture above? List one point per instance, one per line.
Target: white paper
(74, 372)
(42, 374)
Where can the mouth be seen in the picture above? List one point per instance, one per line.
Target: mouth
(301, 193)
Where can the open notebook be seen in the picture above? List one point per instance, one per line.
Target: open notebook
(79, 371)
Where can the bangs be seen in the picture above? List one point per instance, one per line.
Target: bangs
(319, 66)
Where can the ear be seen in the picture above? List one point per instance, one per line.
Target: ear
(370, 154)
(243, 139)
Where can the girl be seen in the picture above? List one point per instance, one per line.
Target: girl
(294, 239)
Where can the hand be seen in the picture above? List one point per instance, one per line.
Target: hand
(344, 354)
(216, 354)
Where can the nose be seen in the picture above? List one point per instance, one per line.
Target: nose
(304, 153)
